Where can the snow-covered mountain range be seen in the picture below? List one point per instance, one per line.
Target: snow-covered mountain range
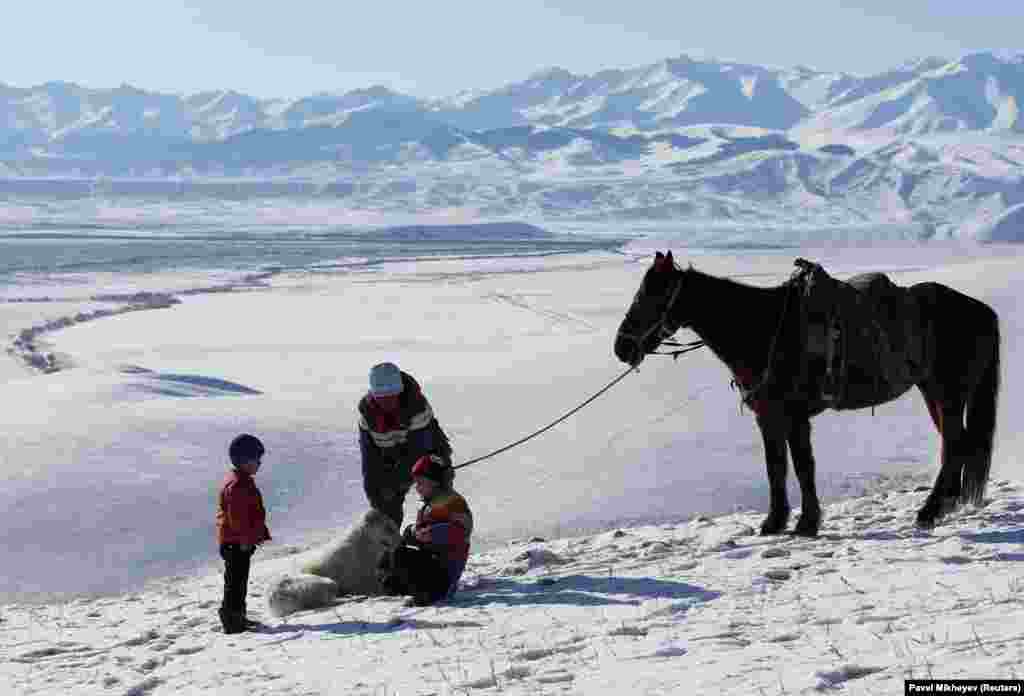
(934, 147)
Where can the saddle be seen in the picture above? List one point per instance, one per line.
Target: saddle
(864, 339)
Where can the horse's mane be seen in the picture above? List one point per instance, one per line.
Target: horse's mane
(727, 283)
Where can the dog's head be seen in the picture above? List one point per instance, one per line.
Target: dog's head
(377, 520)
(381, 530)
(382, 535)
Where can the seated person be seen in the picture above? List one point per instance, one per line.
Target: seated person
(433, 554)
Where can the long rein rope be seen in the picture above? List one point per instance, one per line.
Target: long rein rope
(550, 425)
(683, 348)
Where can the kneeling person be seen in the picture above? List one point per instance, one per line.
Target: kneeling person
(430, 562)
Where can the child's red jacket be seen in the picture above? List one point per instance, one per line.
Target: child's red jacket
(241, 518)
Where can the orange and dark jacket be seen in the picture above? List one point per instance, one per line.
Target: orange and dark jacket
(241, 518)
(450, 521)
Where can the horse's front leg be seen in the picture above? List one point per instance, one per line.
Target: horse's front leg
(773, 434)
(803, 464)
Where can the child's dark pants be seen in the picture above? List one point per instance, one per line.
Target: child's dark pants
(236, 582)
(417, 572)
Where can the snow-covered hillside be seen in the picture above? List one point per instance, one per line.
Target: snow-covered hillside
(932, 148)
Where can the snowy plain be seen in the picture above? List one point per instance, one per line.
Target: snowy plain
(651, 579)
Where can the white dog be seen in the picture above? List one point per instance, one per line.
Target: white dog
(295, 593)
(349, 567)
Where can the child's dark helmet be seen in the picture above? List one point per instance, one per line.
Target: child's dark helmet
(245, 447)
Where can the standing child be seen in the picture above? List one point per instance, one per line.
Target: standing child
(241, 527)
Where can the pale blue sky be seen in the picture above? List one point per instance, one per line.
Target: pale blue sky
(436, 48)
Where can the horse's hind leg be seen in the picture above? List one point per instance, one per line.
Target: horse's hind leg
(948, 418)
(803, 464)
(773, 434)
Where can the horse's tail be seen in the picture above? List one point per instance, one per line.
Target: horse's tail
(981, 423)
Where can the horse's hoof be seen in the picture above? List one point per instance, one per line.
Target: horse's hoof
(774, 524)
(926, 519)
(933, 510)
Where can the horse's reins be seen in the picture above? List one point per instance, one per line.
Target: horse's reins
(660, 325)
(550, 425)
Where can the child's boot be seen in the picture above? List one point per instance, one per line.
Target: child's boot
(232, 621)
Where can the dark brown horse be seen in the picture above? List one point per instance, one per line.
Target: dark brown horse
(792, 360)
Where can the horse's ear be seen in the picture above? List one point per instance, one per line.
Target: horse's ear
(668, 259)
(662, 262)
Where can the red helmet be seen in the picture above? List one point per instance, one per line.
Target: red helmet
(433, 467)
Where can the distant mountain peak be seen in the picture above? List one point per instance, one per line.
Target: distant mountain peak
(803, 70)
(698, 116)
(997, 55)
(991, 60)
(554, 74)
(922, 64)
(373, 92)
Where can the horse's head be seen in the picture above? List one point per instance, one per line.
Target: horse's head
(652, 317)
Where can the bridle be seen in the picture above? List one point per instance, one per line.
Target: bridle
(663, 329)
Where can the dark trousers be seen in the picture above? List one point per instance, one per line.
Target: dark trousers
(418, 572)
(236, 577)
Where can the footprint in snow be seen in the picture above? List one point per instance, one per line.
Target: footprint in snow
(150, 664)
(541, 653)
(482, 683)
(878, 618)
(60, 650)
(142, 639)
(190, 650)
(658, 548)
(833, 679)
(654, 608)
(517, 672)
(956, 559)
(785, 637)
(672, 649)
(144, 687)
(738, 554)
